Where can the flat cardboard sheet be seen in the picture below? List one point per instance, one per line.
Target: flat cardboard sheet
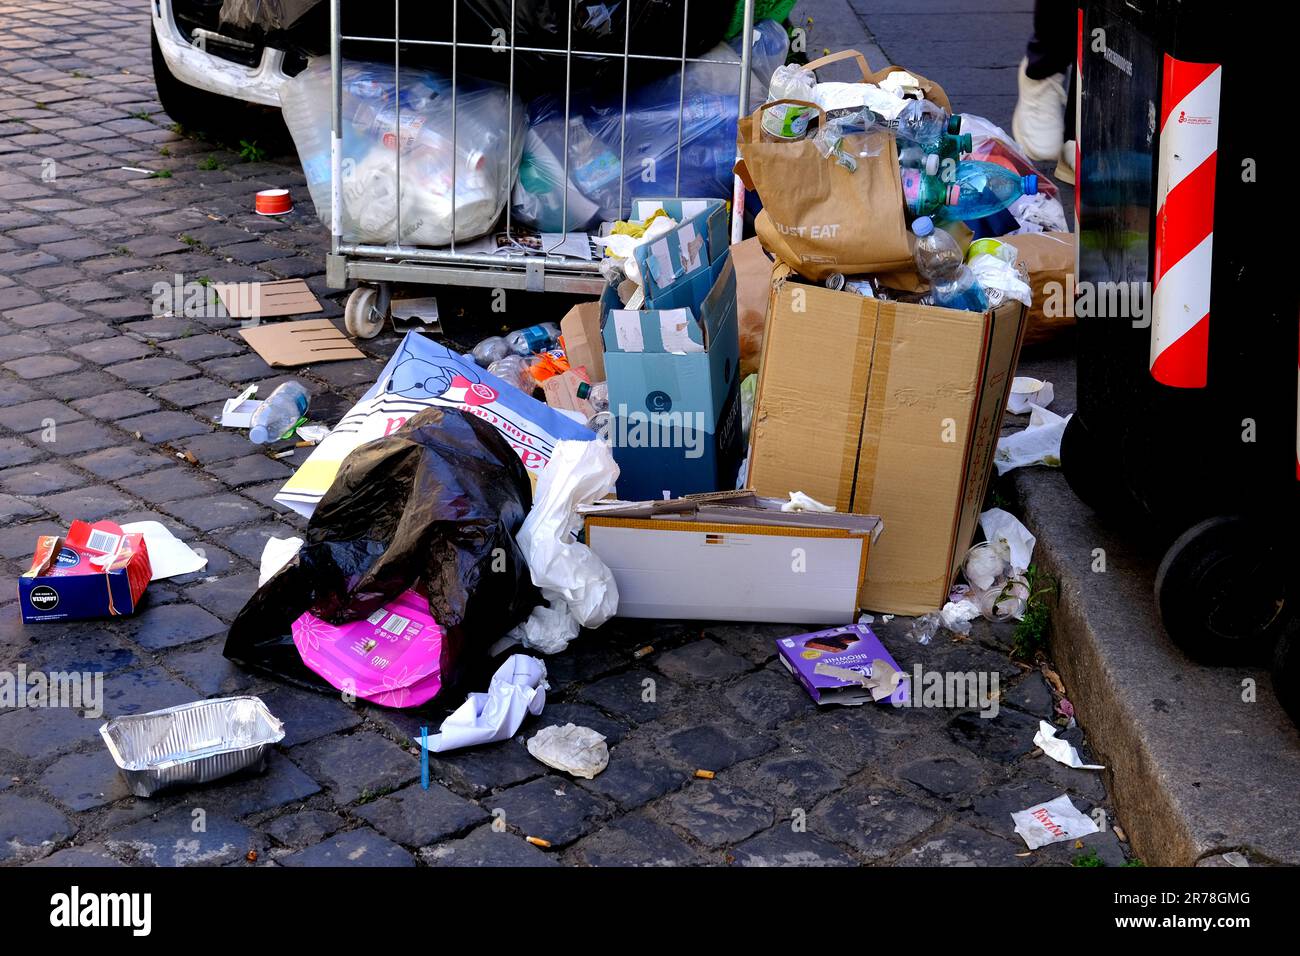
(288, 344)
(266, 300)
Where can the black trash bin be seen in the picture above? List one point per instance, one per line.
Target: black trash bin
(1189, 313)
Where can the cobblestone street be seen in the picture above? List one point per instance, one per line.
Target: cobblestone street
(106, 411)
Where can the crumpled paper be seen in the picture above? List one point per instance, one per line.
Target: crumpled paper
(1059, 749)
(1052, 822)
(517, 689)
(1038, 444)
(570, 575)
(580, 751)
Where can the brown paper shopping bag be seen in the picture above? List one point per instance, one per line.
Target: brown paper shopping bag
(819, 217)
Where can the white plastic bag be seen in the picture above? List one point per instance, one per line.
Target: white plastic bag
(567, 572)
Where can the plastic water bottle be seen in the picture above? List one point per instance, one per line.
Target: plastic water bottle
(281, 411)
(939, 259)
(961, 290)
(535, 338)
(937, 253)
(925, 195)
(982, 189)
(930, 158)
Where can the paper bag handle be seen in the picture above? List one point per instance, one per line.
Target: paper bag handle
(827, 60)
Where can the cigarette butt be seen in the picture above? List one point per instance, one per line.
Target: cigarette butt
(705, 774)
(304, 444)
(283, 454)
(538, 841)
(643, 651)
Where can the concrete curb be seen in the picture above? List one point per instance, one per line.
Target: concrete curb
(1196, 768)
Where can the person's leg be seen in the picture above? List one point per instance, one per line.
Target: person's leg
(1038, 123)
(1051, 48)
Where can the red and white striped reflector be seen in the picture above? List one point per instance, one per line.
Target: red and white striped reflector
(1184, 247)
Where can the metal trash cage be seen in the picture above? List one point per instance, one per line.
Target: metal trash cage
(384, 264)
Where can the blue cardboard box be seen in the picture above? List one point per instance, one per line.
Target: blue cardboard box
(673, 366)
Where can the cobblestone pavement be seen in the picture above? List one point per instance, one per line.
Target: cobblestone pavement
(106, 411)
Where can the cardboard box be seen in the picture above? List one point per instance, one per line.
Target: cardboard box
(672, 366)
(813, 659)
(95, 570)
(732, 556)
(581, 331)
(887, 409)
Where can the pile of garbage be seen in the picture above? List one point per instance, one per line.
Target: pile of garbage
(831, 389)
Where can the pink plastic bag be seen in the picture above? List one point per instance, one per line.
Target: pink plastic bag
(394, 657)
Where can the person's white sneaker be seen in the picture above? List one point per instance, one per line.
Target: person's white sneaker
(1065, 165)
(1038, 123)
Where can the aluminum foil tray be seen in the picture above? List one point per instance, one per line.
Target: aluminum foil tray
(193, 743)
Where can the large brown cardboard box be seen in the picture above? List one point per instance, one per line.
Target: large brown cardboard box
(887, 409)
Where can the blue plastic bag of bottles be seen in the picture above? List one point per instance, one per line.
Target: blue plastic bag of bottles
(646, 144)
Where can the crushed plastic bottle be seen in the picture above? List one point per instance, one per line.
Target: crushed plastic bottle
(491, 349)
(514, 370)
(279, 413)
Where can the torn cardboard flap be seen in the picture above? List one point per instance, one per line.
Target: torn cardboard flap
(266, 300)
(289, 344)
(582, 342)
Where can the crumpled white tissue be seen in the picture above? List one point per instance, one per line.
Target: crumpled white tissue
(1060, 750)
(1009, 537)
(580, 751)
(569, 574)
(518, 688)
(957, 615)
(1038, 444)
(1000, 280)
(548, 630)
(801, 502)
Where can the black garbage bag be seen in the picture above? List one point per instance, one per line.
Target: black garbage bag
(433, 507)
